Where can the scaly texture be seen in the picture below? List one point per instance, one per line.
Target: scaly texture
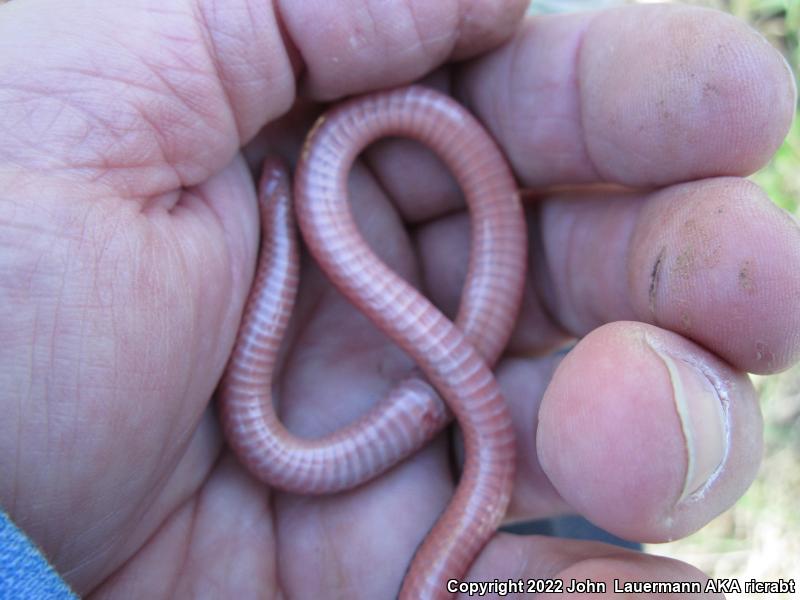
(453, 357)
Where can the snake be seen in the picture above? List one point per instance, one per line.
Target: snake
(453, 376)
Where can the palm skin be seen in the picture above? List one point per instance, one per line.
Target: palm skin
(129, 231)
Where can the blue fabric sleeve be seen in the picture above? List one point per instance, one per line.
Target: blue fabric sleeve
(24, 571)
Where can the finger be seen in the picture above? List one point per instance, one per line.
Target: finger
(639, 95)
(549, 565)
(696, 258)
(626, 393)
(712, 274)
(584, 98)
(182, 89)
(646, 434)
(361, 45)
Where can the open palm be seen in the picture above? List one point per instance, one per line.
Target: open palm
(129, 231)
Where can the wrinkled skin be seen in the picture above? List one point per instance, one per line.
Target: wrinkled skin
(129, 232)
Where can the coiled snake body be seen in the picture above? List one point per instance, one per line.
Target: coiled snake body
(454, 356)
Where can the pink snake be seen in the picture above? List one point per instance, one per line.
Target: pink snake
(455, 357)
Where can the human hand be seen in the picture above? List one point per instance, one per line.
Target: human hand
(130, 233)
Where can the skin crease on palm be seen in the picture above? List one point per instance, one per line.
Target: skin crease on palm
(129, 232)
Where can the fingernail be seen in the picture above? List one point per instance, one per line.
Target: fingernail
(702, 418)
